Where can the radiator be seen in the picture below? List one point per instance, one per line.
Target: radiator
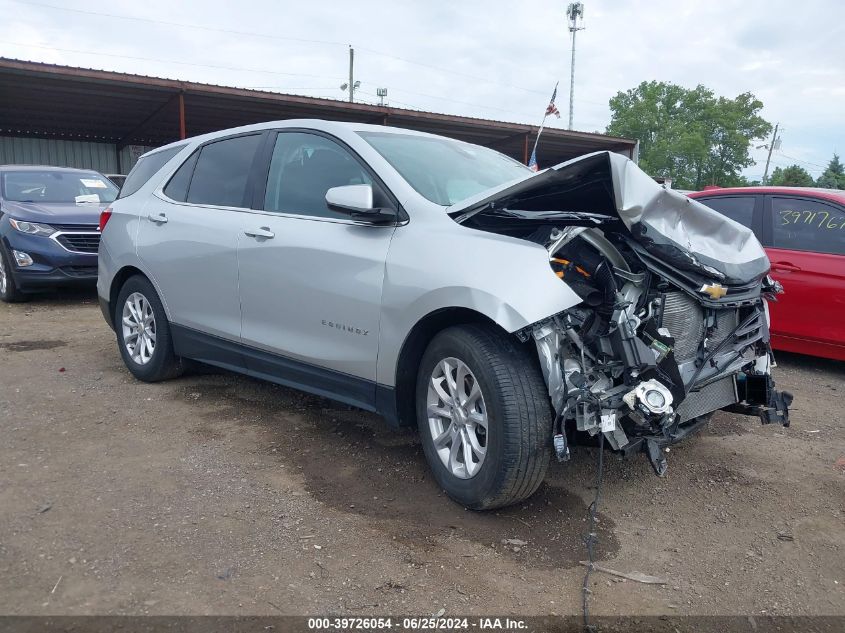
(683, 316)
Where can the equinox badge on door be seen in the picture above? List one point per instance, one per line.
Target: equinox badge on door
(345, 328)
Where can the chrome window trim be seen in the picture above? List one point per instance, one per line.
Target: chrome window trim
(159, 193)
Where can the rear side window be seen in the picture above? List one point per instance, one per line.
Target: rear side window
(146, 168)
(800, 224)
(737, 208)
(222, 172)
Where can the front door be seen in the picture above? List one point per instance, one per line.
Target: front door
(311, 278)
(806, 246)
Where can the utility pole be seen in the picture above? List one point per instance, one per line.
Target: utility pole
(351, 73)
(381, 93)
(574, 12)
(769, 157)
(353, 85)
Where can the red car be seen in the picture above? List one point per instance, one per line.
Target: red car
(803, 232)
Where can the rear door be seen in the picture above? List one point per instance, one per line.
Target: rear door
(311, 278)
(805, 239)
(189, 236)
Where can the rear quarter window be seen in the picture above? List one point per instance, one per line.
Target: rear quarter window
(146, 167)
(177, 188)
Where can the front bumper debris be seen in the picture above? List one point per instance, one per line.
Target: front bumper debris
(760, 398)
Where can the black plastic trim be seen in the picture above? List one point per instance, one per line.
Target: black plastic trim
(105, 308)
(387, 405)
(767, 222)
(206, 348)
(352, 390)
(36, 281)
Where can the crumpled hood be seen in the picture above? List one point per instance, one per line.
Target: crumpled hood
(55, 212)
(667, 223)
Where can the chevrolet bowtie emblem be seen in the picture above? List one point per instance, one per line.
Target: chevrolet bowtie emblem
(715, 291)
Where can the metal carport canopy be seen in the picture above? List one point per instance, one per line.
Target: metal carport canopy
(64, 102)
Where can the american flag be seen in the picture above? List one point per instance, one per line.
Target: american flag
(552, 109)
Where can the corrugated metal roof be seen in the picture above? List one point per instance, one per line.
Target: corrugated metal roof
(53, 101)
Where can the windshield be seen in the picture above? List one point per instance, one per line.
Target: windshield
(57, 186)
(442, 170)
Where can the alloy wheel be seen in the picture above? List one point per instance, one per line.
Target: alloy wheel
(139, 328)
(457, 418)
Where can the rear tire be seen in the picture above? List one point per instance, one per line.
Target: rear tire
(8, 290)
(143, 332)
(495, 405)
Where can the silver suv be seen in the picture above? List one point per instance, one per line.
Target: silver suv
(507, 313)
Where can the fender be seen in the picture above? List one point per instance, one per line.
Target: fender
(506, 279)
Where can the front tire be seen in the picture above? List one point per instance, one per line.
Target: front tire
(484, 416)
(8, 290)
(143, 332)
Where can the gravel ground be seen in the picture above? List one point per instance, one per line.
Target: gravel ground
(218, 494)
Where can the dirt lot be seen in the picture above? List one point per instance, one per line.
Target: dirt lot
(218, 494)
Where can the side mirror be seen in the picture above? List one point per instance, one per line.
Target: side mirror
(357, 202)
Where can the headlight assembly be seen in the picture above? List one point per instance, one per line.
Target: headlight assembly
(32, 228)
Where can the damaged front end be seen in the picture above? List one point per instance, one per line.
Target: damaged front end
(647, 364)
(673, 322)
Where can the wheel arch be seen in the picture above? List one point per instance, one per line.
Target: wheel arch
(414, 346)
(120, 278)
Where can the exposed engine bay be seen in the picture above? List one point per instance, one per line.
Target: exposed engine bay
(666, 331)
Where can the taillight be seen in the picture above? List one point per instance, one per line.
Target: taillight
(105, 216)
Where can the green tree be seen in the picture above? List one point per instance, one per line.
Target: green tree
(689, 135)
(834, 176)
(792, 176)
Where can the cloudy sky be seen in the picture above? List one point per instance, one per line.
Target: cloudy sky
(486, 58)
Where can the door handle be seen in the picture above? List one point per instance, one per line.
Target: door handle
(160, 218)
(785, 267)
(262, 232)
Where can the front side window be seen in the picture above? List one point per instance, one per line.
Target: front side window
(146, 168)
(808, 225)
(222, 171)
(57, 186)
(442, 170)
(303, 168)
(737, 208)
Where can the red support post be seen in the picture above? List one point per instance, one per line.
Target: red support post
(525, 148)
(182, 132)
